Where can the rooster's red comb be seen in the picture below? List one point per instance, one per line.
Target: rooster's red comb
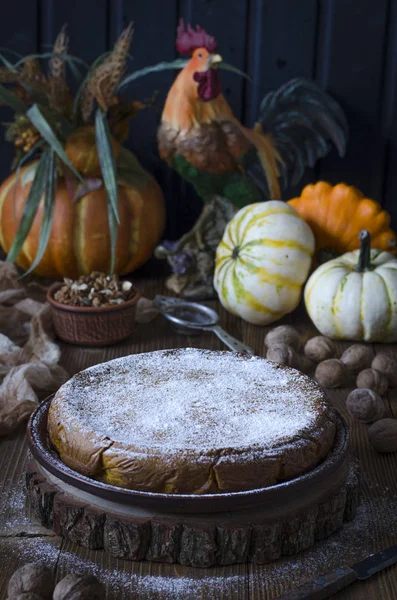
(188, 39)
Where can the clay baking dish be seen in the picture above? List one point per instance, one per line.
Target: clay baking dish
(90, 325)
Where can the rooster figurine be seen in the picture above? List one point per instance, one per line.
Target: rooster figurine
(231, 165)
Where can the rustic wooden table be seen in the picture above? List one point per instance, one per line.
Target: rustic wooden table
(375, 527)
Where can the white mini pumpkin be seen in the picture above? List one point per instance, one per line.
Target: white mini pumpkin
(262, 261)
(354, 297)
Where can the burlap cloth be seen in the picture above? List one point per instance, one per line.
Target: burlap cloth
(29, 357)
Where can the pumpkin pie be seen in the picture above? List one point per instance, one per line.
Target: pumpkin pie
(191, 421)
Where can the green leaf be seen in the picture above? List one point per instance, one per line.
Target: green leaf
(35, 95)
(17, 54)
(108, 168)
(29, 154)
(19, 166)
(66, 57)
(179, 63)
(12, 100)
(227, 67)
(113, 236)
(39, 121)
(92, 68)
(48, 212)
(30, 209)
(75, 71)
(7, 63)
(106, 159)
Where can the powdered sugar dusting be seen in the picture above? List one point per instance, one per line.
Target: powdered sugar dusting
(193, 399)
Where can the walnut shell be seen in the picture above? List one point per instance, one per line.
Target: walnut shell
(283, 354)
(32, 577)
(383, 435)
(79, 587)
(320, 348)
(357, 357)
(386, 365)
(365, 405)
(372, 379)
(285, 334)
(331, 373)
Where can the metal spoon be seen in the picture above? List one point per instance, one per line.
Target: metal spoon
(188, 316)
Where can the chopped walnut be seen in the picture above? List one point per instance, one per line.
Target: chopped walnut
(96, 289)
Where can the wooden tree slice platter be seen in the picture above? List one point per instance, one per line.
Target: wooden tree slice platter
(200, 540)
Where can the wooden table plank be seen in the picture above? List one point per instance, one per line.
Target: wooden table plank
(375, 527)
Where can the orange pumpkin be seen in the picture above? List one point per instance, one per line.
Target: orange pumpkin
(337, 214)
(81, 149)
(80, 236)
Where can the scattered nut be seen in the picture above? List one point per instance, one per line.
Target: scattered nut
(32, 577)
(331, 373)
(386, 365)
(79, 587)
(284, 334)
(96, 290)
(383, 435)
(281, 353)
(365, 405)
(320, 348)
(357, 357)
(126, 286)
(374, 380)
(286, 355)
(145, 311)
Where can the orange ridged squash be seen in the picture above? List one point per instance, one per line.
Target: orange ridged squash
(336, 215)
(82, 151)
(80, 238)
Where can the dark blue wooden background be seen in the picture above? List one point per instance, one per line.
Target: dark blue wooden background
(349, 47)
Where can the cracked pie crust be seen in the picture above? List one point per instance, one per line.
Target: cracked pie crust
(191, 421)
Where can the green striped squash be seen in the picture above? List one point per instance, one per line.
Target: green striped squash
(262, 261)
(349, 302)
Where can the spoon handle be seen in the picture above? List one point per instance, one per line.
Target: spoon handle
(230, 341)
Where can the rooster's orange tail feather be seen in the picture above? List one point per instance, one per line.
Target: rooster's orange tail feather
(268, 156)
